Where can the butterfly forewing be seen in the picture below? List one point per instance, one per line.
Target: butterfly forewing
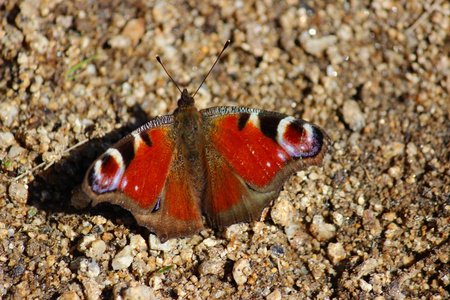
(250, 154)
(141, 174)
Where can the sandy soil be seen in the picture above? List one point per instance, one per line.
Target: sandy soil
(373, 222)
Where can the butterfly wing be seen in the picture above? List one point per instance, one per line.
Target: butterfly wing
(250, 153)
(142, 174)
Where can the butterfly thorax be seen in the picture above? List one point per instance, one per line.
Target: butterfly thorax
(190, 140)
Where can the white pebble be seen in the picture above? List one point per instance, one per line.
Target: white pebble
(123, 259)
(241, 271)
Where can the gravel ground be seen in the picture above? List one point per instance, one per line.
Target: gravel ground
(77, 76)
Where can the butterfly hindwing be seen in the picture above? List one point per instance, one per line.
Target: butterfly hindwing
(250, 154)
(141, 174)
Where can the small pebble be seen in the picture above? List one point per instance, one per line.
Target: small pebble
(393, 149)
(395, 172)
(316, 46)
(281, 211)
(85, 267)
(353, 116)
(72, 295)
(140, 292)
(241, 271)
(371, 223)
(336, 252)
(211, 268)
(96, 249)
(138, 243)
(155, 244)
(91, 288)
(322, 231)
(134, 30)
(123, 259)
(275, 295)
(8, 113)
(16, 151)
(18, 192)
(6, 139)
(364, 285)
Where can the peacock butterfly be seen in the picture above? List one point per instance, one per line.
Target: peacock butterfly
(225, 163)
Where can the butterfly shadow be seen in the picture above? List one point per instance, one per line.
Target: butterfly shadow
(52, 189)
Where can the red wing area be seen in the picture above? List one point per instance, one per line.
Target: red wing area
(225, 188)
(178, 212)
(254, 156)
(136, 167)
(145, 176)
(250, 153)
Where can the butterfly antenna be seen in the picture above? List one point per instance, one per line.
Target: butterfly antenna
(160, 62)
(217, 59)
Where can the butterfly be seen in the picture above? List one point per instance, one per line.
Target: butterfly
(224, 163)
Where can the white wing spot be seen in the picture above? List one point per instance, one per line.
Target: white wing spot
(281, 130)
(115, 154)
(254, 119)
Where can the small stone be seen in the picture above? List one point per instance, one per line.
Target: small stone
(156, 283)
(96, 249)
(98, 220)
(393, 149)
(353, 116)
(211, 267)
(395, 172)
(123, 259)
(338, 218)
(316, 46)
(72, 295)
(18, 192)
(389, 216)
(364, 285)
(281, 211)
(392, 231)
(85, 242)
(371, 223)
(155, 244)
(91, 288)
(8, 113)
(235, 230)
(134, 30)
(275, 295)
(140, 292)
(411, 149)
(336, 252)
(85, 267)
(241, 271)
(16, 151)
(6, 139)
(138, 243)
(322, 231)
(119, 42)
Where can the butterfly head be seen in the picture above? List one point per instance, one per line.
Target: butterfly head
(185, 100)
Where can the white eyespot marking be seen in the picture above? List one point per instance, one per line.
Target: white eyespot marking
(136, 188)
(115, 154)
(306, 147)
(281, 130)
(268, 164)
(104, 180)
(254, 119)
(137, 141)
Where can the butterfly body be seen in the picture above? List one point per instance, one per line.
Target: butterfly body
(224, 163)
